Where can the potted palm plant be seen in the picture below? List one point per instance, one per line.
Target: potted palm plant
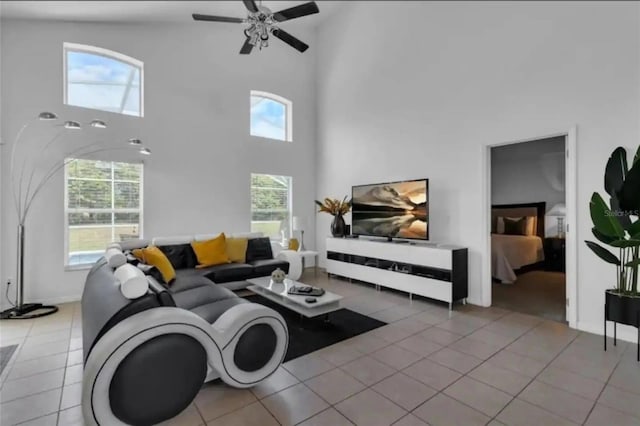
(337, 209)
(617, 225)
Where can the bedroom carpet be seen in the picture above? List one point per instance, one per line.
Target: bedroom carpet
(539, 293)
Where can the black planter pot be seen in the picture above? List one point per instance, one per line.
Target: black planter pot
(338, 226)
(622, 308)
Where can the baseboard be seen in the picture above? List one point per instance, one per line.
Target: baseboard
(57, 300)
(625, 332)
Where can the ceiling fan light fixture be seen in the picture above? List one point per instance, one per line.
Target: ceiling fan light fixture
(262, 21)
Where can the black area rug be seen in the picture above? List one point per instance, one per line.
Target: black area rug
(310, 334)
(5, 355)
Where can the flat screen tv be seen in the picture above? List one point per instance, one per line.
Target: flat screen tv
(392, 210)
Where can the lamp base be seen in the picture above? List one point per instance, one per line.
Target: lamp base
(25, 311)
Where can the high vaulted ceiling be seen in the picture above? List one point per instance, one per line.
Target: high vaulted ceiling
(145, 11)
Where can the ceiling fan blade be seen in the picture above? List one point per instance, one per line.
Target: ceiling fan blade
(250, 5)
(211, 18)
(290, 40)
(296, 12)
(246, 47)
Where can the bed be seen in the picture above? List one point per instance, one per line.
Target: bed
(510, 253)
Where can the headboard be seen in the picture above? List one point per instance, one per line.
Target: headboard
(517, 210)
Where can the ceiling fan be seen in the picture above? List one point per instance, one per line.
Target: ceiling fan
(263, 21)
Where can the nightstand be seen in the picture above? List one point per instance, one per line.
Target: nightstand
(554, 254)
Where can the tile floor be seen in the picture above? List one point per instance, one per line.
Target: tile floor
(477, 366)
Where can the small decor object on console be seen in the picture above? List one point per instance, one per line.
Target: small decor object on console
(337, 209)
(278, 276)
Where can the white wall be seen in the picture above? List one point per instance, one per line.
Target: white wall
(530, 172)
(421, 91)
(196, 123)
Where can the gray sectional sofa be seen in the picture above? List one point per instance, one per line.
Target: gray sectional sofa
(146, 357)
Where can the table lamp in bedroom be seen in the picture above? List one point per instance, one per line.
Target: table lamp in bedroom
(559, 211)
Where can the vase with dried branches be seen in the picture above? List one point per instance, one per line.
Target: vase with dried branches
(337, 209)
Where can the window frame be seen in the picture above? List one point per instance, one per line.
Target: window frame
(67, 210)
(100, 51)
(288, 114)
(289, 204)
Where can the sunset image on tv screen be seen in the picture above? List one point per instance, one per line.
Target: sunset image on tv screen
(394, 210)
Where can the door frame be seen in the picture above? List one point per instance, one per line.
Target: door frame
(570, 219)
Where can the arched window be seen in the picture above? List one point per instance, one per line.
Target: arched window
(101, 79)
(270, 116)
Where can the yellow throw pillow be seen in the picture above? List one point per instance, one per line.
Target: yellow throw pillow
(138, 254)
(294, 244)
(211, 252)
(154, 256)
(237, 249)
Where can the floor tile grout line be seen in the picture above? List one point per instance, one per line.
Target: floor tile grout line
(613, 370)
(267, 410)
(204, 422)
(534, 379)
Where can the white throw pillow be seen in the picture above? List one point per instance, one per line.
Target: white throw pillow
(133, 282)
(115, 257)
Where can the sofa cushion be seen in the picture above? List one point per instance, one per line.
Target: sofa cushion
(186, 279)
(228, 272)
(212, 311)
(189, 299)
(265, 267)
(181, 256)
(259, 249)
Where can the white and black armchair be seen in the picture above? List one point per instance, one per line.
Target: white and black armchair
(147, 355)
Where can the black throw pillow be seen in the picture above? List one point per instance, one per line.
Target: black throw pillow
(131, 258)
(515, 227)
(152, 271)
(181, 256)
(259, 249)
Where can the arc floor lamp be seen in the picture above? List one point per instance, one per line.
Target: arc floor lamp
(26, 183)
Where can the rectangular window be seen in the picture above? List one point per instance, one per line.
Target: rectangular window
(103, 203)
(271, 205)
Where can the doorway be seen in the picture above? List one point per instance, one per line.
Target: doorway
(530, 211)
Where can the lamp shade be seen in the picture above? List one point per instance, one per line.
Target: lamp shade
(298, 223)
(558, 210)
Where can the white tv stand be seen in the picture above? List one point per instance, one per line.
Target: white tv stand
(435, 271)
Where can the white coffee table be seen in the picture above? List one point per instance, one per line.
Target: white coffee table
(278, 292)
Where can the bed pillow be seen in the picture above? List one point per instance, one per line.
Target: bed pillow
(530, 227)
(515, 226)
